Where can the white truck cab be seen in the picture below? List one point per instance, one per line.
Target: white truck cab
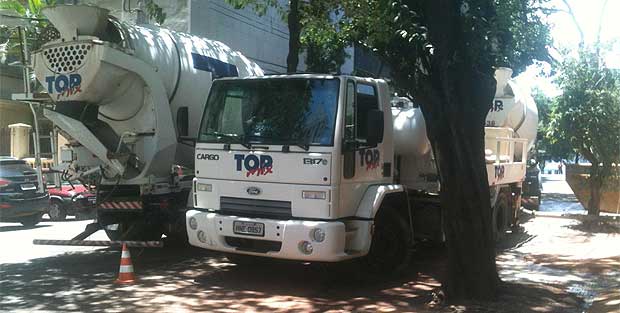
(292, 166)
(329, 168)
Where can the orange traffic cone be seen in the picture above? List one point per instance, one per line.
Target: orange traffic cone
(125, 272)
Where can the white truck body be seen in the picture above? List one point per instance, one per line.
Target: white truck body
(129, 100)
(273, 198)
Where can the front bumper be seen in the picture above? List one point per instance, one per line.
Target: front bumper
(12, 209)
(282, 239)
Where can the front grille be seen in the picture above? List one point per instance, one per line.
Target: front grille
(255, 208)
(253, 245)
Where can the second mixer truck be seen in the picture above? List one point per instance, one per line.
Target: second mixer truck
(129, 99)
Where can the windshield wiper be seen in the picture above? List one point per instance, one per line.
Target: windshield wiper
(285, 145)
(304, 146)
(230, 136)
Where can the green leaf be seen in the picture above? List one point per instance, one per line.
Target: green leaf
(13, 5)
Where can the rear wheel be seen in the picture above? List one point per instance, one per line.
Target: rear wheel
(390, 249)
(57, 211)
(32, 220)
(129, 226)
(501, 212)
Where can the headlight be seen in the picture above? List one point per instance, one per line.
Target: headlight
(305, 247)
(321, 195)
(317, 235)
(202, 237)
(204, 187)
(193, 223)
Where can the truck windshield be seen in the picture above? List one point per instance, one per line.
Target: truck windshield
(271, 111)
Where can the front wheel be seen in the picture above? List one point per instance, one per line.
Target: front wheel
(390, 249)
(56, 211)
(32, 220)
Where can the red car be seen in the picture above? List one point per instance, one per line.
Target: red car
(70, 199)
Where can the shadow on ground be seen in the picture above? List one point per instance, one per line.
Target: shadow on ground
(597, 224)
(20, 227)
(189, 279)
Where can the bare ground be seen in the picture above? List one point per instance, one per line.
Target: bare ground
(545, 268)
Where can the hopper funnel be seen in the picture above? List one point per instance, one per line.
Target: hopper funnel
(77, 20)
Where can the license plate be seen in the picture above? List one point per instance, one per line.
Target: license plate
(28, 187)
(92, 200)
(249, 228)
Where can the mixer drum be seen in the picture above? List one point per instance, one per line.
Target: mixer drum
(409, 132)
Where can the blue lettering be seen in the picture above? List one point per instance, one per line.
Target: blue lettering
(50, 83)
(238, 158)
(75, 80)
(265, 161)
(251, 162)
(65, 83)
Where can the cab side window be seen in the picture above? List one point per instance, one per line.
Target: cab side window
(367, 100)
(349, 120)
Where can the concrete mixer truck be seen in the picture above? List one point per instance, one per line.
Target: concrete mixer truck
(329, 168)
(129, 99)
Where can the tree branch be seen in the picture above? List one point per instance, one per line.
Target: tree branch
(572, 15)
(600, 25)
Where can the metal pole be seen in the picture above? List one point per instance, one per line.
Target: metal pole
(55, 156)
(37, 151)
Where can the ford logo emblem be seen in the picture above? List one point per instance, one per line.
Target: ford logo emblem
(254, 191)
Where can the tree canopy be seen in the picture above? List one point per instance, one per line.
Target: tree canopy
(587, 114)
(443, 53)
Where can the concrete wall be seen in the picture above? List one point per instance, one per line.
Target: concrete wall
(264, 39)
(176, 11)
(12, 112)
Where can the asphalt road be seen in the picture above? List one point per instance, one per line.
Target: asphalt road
(186, 279)
(16, 240)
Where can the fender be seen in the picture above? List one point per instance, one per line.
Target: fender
(373, 197)
(59, 198)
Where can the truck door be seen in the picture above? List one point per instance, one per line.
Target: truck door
(362, 162)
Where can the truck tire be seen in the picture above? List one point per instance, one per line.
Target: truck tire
(57, 211)
(390, 249)
(501, 212)
(32, 220)
(128, 226)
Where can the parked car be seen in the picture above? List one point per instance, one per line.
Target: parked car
(20, 200)
(71, 199)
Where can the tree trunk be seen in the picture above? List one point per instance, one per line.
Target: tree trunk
(460, 90)
(596, 183)
(465, 198)
(294, 30)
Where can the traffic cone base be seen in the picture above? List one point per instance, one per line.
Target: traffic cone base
(125, 271)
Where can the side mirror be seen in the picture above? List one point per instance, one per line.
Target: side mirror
(374, 131)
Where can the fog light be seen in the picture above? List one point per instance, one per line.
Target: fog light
(317, 235)
(204, 187)
(305, 247)
(202, 237)
(193, 223)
